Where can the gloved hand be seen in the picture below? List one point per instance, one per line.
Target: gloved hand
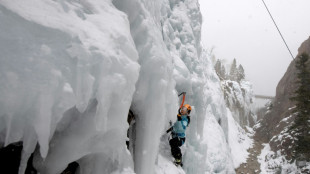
(170, 129)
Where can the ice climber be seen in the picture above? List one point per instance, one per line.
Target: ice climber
(178, 133)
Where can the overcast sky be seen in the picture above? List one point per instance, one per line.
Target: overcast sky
(242, 29)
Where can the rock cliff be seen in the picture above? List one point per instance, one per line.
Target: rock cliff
(273, 127)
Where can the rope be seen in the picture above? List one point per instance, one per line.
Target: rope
(278, 29)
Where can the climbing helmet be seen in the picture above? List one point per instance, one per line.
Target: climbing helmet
(187, 108)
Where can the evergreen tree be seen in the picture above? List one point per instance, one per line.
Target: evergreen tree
(218, 66)
(240, 73)
(301, 125)
(220, 69)
(233, 71)
(223, 72)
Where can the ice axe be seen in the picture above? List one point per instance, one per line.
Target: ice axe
(183, 93)
(170, 122)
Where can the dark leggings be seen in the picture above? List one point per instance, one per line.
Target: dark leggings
(175, 144)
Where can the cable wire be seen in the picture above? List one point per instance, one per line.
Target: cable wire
(278, 29)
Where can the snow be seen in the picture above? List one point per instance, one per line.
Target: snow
(218, 151)
(70, 71)
(239, 141)
(240, 99)
(166, 167)
(291, 108)
(272, 162)
(275, 161)
(286, 119)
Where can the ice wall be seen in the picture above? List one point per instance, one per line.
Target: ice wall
(209, 151)
(155, 97)
(68, 73)
(206, 147)
(71, 69)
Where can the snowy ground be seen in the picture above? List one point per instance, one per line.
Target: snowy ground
(239, 140)
(272, 162)
(276, 162)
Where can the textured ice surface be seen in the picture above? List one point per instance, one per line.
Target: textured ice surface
(54, 65)
(70, 71)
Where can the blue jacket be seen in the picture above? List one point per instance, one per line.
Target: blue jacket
(179, 127)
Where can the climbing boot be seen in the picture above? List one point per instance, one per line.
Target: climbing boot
(178, 162)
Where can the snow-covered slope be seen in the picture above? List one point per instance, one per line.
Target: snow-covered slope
(239, 97)
(274, 128)
(70, 70)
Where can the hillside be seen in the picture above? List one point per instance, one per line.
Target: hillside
(273, 127)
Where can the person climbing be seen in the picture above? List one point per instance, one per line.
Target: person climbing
(178, 133)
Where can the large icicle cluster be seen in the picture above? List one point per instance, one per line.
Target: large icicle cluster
(155, 97)
(68, 73)
(70, 70)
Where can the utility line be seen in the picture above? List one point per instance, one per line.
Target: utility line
(278, 29)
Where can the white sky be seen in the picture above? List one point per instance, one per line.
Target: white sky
(242, 29)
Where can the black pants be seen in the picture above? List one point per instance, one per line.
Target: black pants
(175, 144)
